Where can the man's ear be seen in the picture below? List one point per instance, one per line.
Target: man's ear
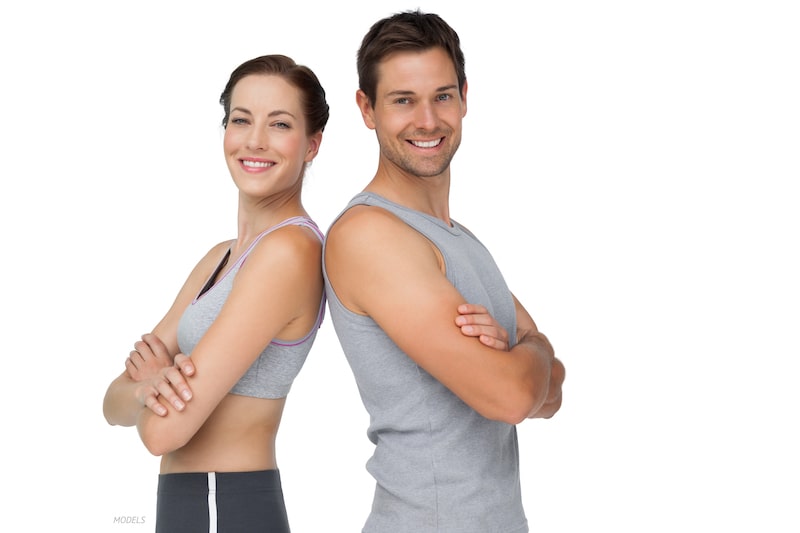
(464, 99)
(365, 106)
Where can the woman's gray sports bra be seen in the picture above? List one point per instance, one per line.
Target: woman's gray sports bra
(272, 374)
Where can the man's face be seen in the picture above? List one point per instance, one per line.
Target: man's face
(417, 113)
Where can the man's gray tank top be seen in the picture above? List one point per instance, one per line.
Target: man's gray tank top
(439, 466)
(272, 374)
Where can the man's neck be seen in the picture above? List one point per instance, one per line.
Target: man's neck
(429, 195)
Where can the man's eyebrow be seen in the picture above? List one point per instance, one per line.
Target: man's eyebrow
(442, 89)
(400, 93)
(446, 88)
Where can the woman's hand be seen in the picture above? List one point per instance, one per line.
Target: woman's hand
(159, 374)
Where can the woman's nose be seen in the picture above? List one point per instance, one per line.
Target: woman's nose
(257, 139)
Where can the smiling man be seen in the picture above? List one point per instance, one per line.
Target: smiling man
(446, 359)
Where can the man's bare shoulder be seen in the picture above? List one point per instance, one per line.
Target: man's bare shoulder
(364, 221)
(375, 231)
(369, 251)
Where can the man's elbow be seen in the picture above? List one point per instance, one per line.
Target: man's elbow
(517, 406)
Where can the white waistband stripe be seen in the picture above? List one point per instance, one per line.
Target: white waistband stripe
(212, 503)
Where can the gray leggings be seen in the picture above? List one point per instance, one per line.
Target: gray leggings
(221, 502)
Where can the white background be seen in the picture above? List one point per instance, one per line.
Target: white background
(632, 165)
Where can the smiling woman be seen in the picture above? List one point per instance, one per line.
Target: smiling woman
(266, 129)
(206, 388)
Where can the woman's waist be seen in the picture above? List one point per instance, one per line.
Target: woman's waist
(221, 455)
(238, 436)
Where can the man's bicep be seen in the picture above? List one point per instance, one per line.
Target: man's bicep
(409, 296)
(417, 310)
(403, 289)
(380, 267)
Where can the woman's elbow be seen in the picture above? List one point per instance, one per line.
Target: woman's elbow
(155, 447)
(158, 440)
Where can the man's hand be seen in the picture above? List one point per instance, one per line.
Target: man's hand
(475, 321)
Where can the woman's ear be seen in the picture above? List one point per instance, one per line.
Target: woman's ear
(313, 146)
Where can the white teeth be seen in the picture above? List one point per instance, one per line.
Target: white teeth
(257, 164)
(426, 144)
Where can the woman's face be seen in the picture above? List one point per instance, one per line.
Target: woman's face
(266, 146)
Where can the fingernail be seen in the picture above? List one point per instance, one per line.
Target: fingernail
(186, 395)
(178, 405)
